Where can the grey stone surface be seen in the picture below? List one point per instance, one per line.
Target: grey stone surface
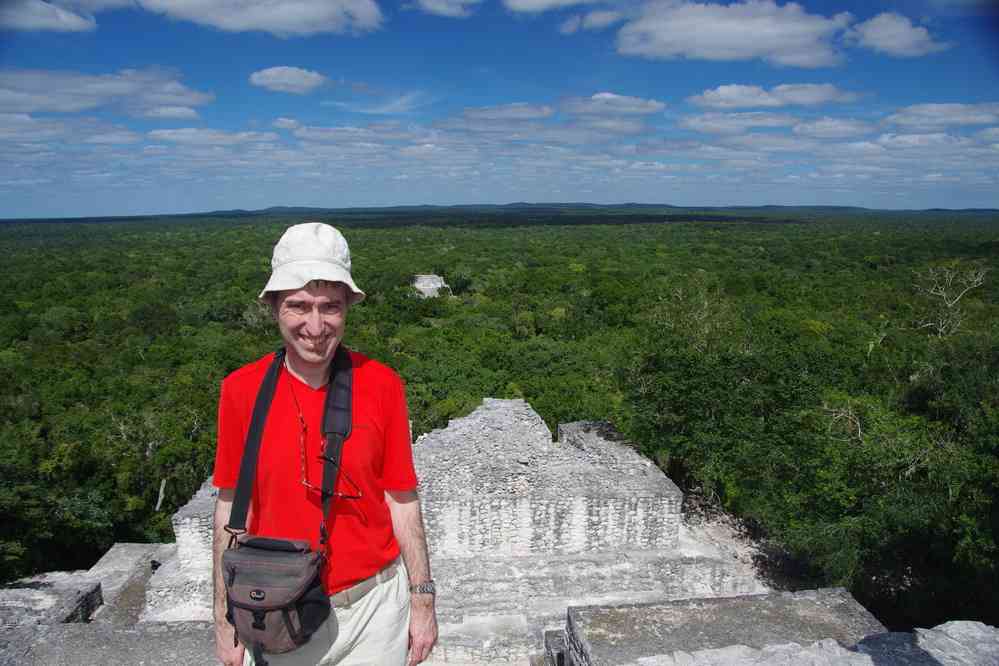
(188, 643)
(546, 585)
(520, 527)
(173, 594)
(123, 572)
(961, 643)
(517, 492)
(429, 286)
(599, 635)
(49, 598)
(820, 653)
(895, 648)
(181, 589)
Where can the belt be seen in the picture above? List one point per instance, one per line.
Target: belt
(356, 592)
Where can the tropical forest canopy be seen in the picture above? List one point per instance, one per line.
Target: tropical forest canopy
(831, 376)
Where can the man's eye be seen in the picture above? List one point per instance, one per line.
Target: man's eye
(331, 308)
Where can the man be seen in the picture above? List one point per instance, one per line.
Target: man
(382, 608)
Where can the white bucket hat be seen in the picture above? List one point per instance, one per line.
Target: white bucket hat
(311, 251)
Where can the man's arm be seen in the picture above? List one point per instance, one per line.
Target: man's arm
(407, 524)
(227, 650)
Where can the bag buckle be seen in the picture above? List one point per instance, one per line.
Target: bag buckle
(234, 533)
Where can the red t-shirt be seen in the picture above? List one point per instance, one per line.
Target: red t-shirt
(377, 457)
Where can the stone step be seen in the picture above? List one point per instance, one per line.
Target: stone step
(493, 610)
(482, 583)
(188, 643)
(124, 572)
(733, 629)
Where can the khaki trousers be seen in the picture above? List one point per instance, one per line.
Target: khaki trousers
(373, 631)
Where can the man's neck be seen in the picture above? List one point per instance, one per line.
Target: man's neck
(313, 375)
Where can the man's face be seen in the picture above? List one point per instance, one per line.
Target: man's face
(312, 320)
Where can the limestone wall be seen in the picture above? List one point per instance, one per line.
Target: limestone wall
(495, 483)
(181, 589)
(534, 525)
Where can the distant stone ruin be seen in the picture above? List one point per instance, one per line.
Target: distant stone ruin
(564, 552)
(430, 286)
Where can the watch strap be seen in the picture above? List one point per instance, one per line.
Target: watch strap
(426, 587)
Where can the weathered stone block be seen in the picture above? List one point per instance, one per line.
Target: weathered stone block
(181, 589)
(603, 635)
(49, 598)
(494, 483)
(188, 643)
(123, 572)
(430, 286)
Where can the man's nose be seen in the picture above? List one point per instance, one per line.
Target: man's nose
(313, 323)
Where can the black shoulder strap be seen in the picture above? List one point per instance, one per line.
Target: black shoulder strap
(336, 427)
(251, 451)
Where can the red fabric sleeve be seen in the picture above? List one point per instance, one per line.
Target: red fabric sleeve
(231, 438)
(398, 472)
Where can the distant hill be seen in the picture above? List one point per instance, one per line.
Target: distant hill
(523, 212)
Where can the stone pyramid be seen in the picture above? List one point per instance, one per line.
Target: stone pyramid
(520, 527)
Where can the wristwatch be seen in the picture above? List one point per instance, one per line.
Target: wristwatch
(426, 587)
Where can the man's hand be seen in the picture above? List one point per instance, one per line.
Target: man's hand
(422, 628)
(224, 650)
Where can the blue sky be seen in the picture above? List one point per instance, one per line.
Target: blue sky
(123, 107)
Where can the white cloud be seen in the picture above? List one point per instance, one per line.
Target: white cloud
(721, 123)
(734, 96)
(571, 25)
(114, 137)
(514, 111)
(38, 15)
(171, 112)
(137, 91)
(600, 19)
(895, 35)
(194, 136)
(595, 20)
(538, 6)
(772, 143)
(991, 134)
(24, 182)
(423, 150)
(608, 103)
(286, 123)
(449, 8)
(808, 94)
(22, 127)
(284, 19)
(614, 125)
(935, 140)
(929, 116)
(396, 106)
(344, 133)
(783, 35)
(288, 79)
(833, 128)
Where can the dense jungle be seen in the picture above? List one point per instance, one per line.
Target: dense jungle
(830, 376)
